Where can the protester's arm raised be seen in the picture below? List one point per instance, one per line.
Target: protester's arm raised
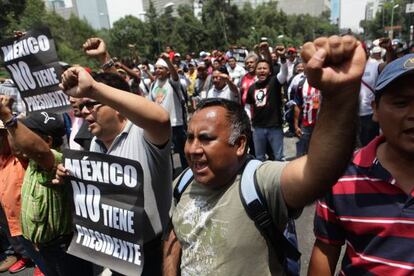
(78, 83)
(96, 47)
(335, 66)
(26, 141)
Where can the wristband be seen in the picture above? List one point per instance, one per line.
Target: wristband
(11, 123)
(108, 64)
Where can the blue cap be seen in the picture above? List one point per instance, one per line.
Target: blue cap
(395, 70)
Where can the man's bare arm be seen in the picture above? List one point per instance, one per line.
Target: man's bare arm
(155, 121)
(334, 66)
(171, 256)
(28, 142)
(323, 259)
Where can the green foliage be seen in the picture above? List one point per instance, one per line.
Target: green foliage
(221, 24)
(375, 28)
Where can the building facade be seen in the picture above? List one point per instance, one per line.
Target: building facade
(312, 7)
(95, 12)
(161, 4)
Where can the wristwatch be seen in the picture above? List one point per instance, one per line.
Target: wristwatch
(11, 123)
(108, 64)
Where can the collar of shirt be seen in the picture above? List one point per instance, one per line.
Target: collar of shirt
(124, 132)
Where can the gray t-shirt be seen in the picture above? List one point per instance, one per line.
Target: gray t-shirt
(217, 236)
(165, 93)
(156, 165)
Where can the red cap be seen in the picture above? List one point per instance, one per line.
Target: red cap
(291, 50)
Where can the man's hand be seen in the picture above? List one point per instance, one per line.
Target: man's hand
(95, 47)
(281, 51)
(61, 172)
(334, 64)
(298, 132)
(77, 83)
(224, 77)
(263, 46)
(6, 103)
(385, 43)
(165, 56)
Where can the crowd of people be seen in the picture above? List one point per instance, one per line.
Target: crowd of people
(351, 107)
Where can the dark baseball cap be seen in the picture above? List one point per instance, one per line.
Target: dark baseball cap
(46, 123)
(394, 70)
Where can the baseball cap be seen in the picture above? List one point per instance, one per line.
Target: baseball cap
(291, 49)
(46, 123)
(376, 50)
(203, 54)
(177, 55)
(394, 70)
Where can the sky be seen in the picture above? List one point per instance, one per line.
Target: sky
(352, 12)
(119, 8)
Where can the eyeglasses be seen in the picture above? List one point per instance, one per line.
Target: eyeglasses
(89, 105)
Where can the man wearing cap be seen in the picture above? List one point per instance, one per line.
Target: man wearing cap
(371, 207)
(45, 212)
(223, 87)
(291, 55)
(204, 80)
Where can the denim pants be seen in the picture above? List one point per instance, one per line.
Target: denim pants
(302, 145)
(179, 136)
(273, 135)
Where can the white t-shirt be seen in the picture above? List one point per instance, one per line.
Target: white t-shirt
(224, 93)
(236, 74)
(366, 95)
(162, 92)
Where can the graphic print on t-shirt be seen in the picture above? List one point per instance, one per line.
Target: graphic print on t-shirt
(260, 96)
(160, 93)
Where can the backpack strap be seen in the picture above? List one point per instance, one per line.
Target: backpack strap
(185, 179)
(255, 206)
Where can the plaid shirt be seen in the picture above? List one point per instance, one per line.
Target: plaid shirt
(45, 214)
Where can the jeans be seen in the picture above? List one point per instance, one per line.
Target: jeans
(302, 145)
(178, 138)
(60, 263)
(273, 135)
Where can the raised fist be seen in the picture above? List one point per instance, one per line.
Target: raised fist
(334, 63)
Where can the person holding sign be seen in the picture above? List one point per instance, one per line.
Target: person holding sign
(129, 126)
(45, 212)
(212, 233)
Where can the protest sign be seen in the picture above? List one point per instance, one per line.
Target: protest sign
(33, 65)
(108, 209)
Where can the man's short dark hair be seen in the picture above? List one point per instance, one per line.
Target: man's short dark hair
(113, 80)
(236, 116)
(265, 61)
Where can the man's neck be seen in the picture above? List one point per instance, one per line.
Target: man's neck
(399, 164)
(108, 142)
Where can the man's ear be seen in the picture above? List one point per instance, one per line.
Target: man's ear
(374, 109)
(49, 141)
(241, 144)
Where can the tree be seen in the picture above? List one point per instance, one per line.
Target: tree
(10, 12)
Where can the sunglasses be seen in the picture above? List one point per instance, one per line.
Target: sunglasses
(89, 105)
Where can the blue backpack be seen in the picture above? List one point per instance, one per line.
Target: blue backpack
(256, 208)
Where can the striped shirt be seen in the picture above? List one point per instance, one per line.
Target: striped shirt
(367, 211)
(307, 98)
